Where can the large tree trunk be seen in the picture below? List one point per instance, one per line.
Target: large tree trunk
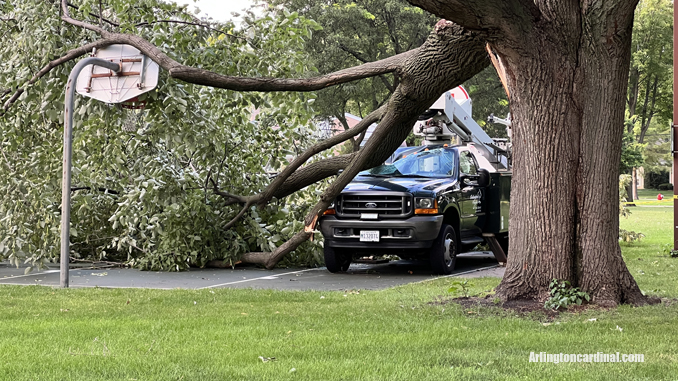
(567, 96)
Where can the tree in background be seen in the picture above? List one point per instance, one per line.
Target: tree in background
(489, 97)
(650, 89)
(355, 33)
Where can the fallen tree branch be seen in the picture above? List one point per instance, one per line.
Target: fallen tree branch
(360, 128)
(249, 201)
(208, 78)
(264, 197)
(450, 55)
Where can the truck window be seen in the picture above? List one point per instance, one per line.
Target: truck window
(467, 165)
(432, 163)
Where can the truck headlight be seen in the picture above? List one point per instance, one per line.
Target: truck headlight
(425, 205)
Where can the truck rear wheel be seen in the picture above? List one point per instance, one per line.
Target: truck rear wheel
(336, 260)
(444, 251)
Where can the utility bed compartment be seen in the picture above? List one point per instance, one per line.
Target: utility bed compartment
(497, 202)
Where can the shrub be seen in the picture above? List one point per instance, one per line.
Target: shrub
(654, 178)
(665, 186)
(630, 236)
(564, 295)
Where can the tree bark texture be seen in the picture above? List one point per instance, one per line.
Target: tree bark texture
(567, 68)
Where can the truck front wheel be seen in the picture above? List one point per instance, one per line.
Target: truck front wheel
(336, 260)
(444, 251)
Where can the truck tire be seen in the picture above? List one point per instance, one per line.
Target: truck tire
(444, 251)
(336, 260)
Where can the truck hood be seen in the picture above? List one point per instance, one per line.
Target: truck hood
(398, 184)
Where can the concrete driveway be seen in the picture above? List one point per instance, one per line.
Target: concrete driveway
(359, 276)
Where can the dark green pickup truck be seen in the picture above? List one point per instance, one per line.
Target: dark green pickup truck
(431, 203)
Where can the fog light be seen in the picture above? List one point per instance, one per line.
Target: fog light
(401, 232)
(341, 232)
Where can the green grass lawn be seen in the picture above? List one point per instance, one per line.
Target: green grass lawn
(403, 333)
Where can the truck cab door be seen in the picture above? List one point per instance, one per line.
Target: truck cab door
(471, 194)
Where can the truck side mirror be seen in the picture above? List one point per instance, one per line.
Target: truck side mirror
(483, 177)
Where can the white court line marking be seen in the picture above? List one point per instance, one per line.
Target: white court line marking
(32, 274)
(258, 278)
(94, 286)
(456, 274)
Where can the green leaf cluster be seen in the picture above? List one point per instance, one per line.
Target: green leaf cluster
(564, 295)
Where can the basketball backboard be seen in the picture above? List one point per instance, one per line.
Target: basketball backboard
(139, 75)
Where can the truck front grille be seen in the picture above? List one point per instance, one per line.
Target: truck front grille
(384, 204)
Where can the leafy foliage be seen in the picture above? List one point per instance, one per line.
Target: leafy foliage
(650, 80)
(632, 153)
(564, 295)
(464, 285)
(157, 208)
(357, 32)
(629, 236)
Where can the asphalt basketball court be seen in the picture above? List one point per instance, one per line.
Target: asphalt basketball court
(363, 276)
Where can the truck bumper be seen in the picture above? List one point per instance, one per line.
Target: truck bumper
(417, 232)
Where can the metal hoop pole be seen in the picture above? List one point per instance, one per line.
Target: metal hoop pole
(68, 150)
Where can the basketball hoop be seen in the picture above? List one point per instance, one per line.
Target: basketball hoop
(118, 74)
(132, 113)
(133, 104)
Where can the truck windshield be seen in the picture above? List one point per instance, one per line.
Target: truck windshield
(432, 163)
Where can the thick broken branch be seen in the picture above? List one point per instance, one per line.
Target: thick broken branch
(269, 260)
(281, 181)
(208, 78)
(360, 128)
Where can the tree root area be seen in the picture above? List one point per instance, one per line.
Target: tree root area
(527, 308)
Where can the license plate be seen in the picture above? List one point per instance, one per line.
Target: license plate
(369, 236)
